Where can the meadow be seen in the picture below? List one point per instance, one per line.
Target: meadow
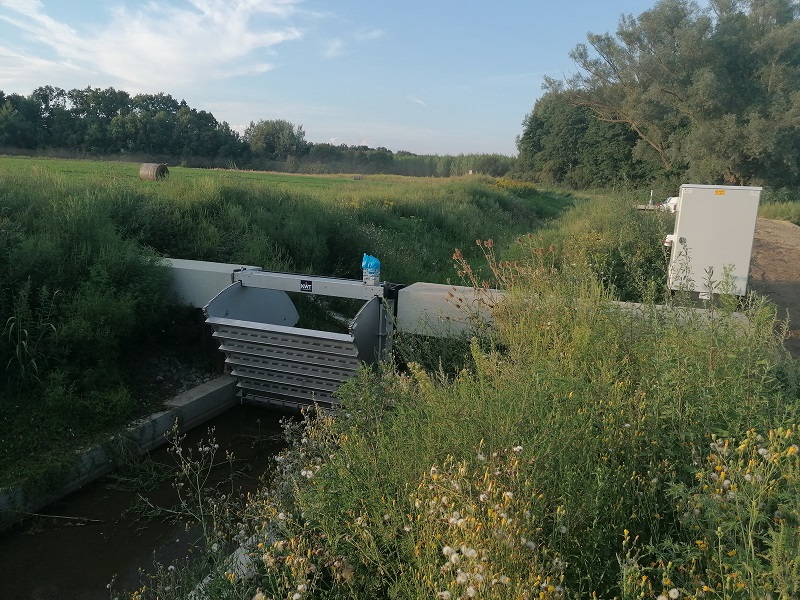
(82, 287)
(575, 449)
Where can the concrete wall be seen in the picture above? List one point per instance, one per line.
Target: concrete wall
(191, 408)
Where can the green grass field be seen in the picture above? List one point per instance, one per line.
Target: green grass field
(573, 450)
(81, 289)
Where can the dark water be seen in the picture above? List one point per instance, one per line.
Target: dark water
(57, 558)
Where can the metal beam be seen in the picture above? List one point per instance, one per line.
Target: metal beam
(309, 284)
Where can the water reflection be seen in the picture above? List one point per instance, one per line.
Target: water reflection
(89, 540)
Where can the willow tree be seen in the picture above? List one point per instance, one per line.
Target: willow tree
(712, 93)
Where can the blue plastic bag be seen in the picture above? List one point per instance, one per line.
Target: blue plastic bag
(371, 268)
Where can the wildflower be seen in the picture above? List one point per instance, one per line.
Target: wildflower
(259, 595)
(674, 593)
(455, 558)
(471, 591)
(470, 552)
(661, 597)
(297, 596)
(444, 595)
(517, 449)
(447, 550)
(462, 577)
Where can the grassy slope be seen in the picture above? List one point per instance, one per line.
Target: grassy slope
(80, 291)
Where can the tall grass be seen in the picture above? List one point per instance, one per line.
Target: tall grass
(588, 449)
(82, 288)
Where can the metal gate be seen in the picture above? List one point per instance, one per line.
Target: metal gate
(279, 364)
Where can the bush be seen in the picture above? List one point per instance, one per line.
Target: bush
(570, 459)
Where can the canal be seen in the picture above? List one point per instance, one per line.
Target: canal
(93, 543)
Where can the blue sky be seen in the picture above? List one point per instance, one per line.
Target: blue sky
(431, 77)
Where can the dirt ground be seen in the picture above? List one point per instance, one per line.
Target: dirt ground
(775, 272)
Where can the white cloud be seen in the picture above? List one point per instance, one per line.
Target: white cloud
(334, 48)
(416, 101)
(368, 36)
(157, 44)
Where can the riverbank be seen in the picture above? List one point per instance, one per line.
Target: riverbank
(190, 408)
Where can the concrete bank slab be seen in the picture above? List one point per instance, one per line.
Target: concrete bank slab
(191, 408)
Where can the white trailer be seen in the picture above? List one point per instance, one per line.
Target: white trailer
(713, 239)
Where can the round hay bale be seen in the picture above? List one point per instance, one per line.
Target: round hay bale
(153, 172)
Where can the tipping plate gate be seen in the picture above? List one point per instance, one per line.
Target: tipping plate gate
(280, 364)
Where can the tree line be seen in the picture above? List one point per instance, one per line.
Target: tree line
(110, 122)
(681, 92)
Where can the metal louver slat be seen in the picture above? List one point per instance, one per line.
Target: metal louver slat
(283, 365)
(276, 363)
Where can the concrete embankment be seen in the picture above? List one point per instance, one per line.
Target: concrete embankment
(190, 409)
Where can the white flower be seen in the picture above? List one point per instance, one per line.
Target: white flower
(302, 587)
(444, 595)
(455, 557)
(462, 577)
(517, 449)
(471, 591)
(674, 593)
(447, 550)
